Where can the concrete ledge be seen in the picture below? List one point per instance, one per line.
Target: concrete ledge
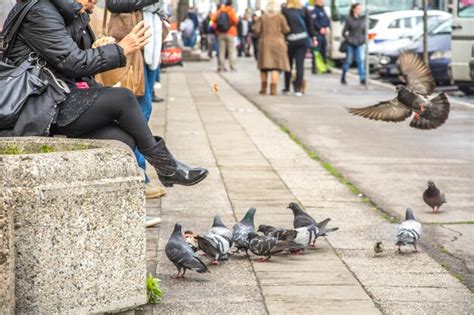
(7, 256)
(79, 224)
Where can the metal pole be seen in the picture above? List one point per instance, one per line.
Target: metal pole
(367, 68)
(425, 31)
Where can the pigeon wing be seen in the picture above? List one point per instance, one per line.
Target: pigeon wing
(417, 74)
(182, 255)
(435, 115)
(391, 110)
(208, 245)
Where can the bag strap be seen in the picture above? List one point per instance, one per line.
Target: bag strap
(104, 21)
(12, 27)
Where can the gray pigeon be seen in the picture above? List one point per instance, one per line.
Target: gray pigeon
(242, 229)
(269, 230)
(219, 228)
(302, 219)
(413, 98)
(181, 255)
(409, 231)
(434, 197)
(215, 246)
(261, 245)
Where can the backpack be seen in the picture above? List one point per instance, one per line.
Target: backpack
(187, 28)
(223, 22)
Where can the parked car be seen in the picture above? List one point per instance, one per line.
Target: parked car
(439, 50)
(394, 25)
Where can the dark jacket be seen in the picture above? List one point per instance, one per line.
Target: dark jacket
(49, 30)
(354, 30)
(127, 6)
(44, 32)
(300, 24)
(320, 18)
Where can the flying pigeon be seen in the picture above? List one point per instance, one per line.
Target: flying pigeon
(433, 197)
(413, 98)
(302, 219)
(181, 255)
(378, 248)
(242, 229)
(261, 245)
(219, 228)
(409, 231)
(215, 246)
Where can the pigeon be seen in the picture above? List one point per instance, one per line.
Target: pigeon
(378, 248)
(261, 245)
(181, 255)
(215, 246)
(299, 238)
(219, 228)
(190, 238)
(409, 231)
(430, 113)
(302, 219)
(434, 197)
(242, 229)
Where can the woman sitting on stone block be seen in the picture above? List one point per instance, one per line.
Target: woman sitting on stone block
(53, 30)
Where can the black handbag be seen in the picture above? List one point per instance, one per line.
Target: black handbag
(29, 93)
(343, 47)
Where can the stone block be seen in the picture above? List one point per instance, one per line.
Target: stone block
(79, 224)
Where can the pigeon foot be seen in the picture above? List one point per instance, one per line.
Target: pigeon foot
(216, 263)
(262, 260)
(399, 251)
(204, 254)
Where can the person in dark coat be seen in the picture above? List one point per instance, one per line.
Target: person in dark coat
(321, 23)
(354, 34)
(301, 34)
(91, 110)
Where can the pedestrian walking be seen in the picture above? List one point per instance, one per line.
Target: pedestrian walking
(354, 37)
(226, 21)
(301, 37)
(243, 30)
(271, 28)
(254, 36)
(322, 24)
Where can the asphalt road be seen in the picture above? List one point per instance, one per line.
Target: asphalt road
(390, 163)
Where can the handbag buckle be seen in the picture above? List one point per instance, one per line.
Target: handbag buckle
(3, 44)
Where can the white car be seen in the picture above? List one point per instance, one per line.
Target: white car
(393, 25)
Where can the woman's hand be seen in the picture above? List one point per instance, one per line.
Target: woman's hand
(136, 39)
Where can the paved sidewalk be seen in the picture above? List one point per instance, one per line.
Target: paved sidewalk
(253, 163)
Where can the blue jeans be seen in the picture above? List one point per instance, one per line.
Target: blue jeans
(359, 52)
(145, 102)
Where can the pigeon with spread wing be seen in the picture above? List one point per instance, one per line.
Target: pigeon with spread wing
(430, 113)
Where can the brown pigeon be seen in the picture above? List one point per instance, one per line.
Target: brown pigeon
(433, 197)
(430, 113)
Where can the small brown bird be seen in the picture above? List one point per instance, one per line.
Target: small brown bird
(378, 248)
(215, 88)
(434, 197)
(191, 239)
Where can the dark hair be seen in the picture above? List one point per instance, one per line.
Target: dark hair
(228, 3)
(355, 5)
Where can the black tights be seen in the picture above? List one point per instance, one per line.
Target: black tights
(115, 115)
(296, 52)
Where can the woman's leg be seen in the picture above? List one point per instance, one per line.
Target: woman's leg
(360, 58)
(263, 82)
(347, 63)
(288, 74)
(275, 75)
(111, 132)
(300, 54)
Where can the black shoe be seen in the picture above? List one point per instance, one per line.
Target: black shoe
(285, 91)
(160, 158)
(157, 99)
(185, 175)
(363, 82)
(343, 81)
(313, 71)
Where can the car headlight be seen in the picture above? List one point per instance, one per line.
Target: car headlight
(384, 60)
(441, 55)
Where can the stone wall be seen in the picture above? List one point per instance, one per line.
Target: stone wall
(7, 257)
(79, 226)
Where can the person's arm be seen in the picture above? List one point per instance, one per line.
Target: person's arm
(234, 19)
(344, 30)
(127, 6)
(316, 24)
(309, 23)
(285, 28)
(45, 32)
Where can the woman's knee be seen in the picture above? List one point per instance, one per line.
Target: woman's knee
(123, 97)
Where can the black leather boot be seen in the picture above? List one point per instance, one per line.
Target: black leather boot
(160, 158)
(185, 175)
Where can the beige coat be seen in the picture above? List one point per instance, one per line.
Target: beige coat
(272, 49)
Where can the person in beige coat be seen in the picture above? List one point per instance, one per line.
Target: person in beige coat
(271, 28)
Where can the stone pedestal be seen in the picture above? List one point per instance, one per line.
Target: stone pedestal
(7, 256)
(79, 224)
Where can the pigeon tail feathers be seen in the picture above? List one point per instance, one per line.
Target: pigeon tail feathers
(434, 115)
